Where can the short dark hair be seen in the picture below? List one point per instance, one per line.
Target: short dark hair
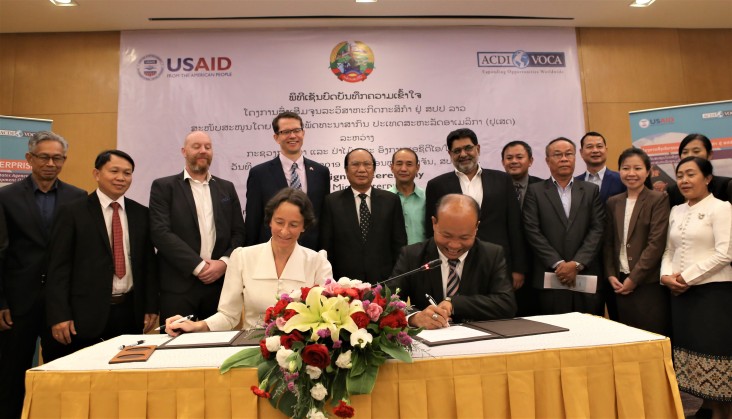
(523, 144)
(446, 199)
(546, 150)
(345, 160)
(704, 165)
(286, 115)
(634, 151)
(461, 133)
(696, 136)
(591, 134)
(295, 197)
(416, 158)
(105, 156)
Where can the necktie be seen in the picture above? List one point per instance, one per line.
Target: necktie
(518, 187)
(294, 178)
(453, 279)
(118, 250)
(364, 216)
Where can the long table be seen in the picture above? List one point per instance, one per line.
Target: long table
(598, 368)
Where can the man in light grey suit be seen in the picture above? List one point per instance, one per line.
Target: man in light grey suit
(564, 221)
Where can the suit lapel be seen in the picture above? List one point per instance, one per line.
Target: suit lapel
(278, 173)
(95, 210)
(349, 205)
(433, 276)
(453, 184)
(132, 223)
(487, 186)
(185, 189)
(30, 203)
(620, 220)
(636, 212)
(217, 195)
(309, 178)
(552, 195)
(578, 193)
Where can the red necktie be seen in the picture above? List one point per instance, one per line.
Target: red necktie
(118, 249)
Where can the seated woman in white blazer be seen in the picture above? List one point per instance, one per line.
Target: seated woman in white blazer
(258, 274)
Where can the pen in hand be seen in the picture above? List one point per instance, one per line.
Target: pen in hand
(181, 320)
(430, 299)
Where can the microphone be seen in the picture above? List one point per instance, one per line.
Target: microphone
(426, 267)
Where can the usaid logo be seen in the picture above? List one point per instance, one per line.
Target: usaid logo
(521, 59)
(645, 123)
(150, 67)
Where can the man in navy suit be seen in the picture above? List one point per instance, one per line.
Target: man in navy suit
(101, 273)
(593, 150)
(362, 227)
(500, 212)
(291, 169)
(28, 211)
(196, 222)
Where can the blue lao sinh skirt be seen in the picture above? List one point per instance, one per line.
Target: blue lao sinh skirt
(702, 340)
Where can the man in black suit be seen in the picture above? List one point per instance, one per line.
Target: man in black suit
(517, 157)
(29, 210)
(471, 284)
(564, 222)
(196, 222)
(593, 150)
(362, 228)
(101, 272)
(291, 169)
(500, 213)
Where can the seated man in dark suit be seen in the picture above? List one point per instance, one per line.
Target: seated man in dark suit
(362, 227)
(471, 284)
(101, 275)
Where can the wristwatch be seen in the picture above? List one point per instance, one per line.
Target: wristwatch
(449, 299)
(579, 266)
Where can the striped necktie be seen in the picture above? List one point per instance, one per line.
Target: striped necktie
(453, 279)
(294, 178)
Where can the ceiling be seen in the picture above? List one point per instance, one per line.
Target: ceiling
(18, 16)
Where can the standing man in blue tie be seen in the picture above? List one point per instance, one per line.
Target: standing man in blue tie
(593, 150)
(289, 168)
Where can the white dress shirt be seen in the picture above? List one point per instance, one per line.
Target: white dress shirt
(472, 187)
(204, 214)
(287, 168)
(600, 176)
(623, 257)
(119, 285)
(251, 282)
(698, 244)
(358, 202)
(445, 269)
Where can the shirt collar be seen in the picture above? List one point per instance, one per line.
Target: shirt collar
(444, 258)
(600, 173)
(188, 176)
(417, 191)
(37, 189)
(356, 193)
(524, 181)
(107, 201)
(287, 163)
(463, 175)
(569, 185)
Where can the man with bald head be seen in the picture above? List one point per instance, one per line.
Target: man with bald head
(196, 222)
(471, 284)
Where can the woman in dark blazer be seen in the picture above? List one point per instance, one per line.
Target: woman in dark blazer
(637, 224)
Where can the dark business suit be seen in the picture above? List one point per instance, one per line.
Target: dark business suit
(719, 186)
(485, 291)
(611, 184)
(268, 178)
(175, 233)
(500, 213)
(81, 269)
(647, 307)
(341, 235)
(23, 266)
(554, 237)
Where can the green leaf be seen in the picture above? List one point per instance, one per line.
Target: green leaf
(337, 389)
(363, 383)
(358, 363)
(250, 357)
(397, 351)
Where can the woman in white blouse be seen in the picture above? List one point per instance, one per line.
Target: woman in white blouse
(259, 274)
(696, 269)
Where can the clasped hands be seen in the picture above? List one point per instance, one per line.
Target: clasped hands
(566, 273)
(212, 270)
(433, 317)
(622, 288)
(675, 282)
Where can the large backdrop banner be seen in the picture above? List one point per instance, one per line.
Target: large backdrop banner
(379, 89)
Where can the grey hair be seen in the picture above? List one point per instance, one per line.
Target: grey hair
(41, 136)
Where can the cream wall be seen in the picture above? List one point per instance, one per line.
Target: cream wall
(73, 78)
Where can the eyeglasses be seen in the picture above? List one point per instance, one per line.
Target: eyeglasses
(44, 158)
(558, 156)
(290, 131)
(459, 150)
(365, 164)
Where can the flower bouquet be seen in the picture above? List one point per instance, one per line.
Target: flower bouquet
(325, 343)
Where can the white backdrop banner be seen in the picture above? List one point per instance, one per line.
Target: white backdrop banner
(380, 89)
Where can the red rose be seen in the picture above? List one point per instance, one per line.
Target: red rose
(343, 410)
(378, 299)
(268, 315)
(316, 355)
(287, 340)
(396, 319)
(279, 307)
(288, 314)
(362, 319)
(304, 293)
(266, 354)
(261, 393)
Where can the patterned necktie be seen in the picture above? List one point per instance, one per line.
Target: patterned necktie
(453, 279)
(518, 187)
(364, 216)
(118, 250)
(294, 178)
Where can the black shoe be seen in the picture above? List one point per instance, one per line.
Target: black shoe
(703, 412)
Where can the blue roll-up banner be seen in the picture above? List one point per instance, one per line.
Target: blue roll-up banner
(14, 135)
(659, 132)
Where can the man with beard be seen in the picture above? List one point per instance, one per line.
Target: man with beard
(500, 213)
(196, 222)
